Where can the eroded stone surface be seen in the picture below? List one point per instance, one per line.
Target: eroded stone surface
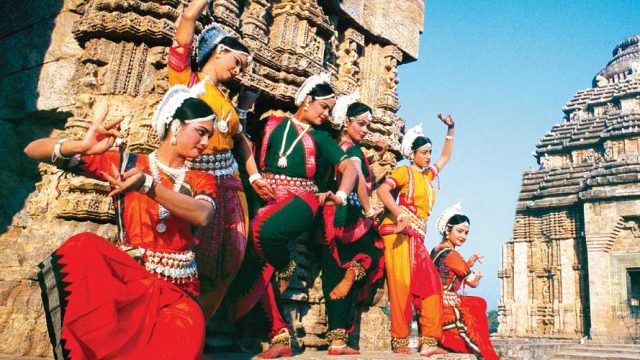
(64, 58)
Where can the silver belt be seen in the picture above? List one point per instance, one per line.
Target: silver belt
(221, 164)
(177, 267)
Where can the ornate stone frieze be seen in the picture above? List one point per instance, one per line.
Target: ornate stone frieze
(119, 61)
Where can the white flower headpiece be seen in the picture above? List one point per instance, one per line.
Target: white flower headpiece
(206, 41)
(172, 100)
(339, 113)
(447, 214)
(309, 84)
(407, 140)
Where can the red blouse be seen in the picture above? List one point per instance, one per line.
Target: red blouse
(139, 213)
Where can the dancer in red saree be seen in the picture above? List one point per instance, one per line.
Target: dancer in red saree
(465, 324)
(135, 299)
(351, 260)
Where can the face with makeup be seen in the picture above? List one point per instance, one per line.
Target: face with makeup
(225, 63)
(357, 128)
(457, 234)
(422, 156)
(315, 112)
(192, 138)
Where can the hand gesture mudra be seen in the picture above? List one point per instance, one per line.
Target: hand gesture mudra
(447, 120)
(121, 182)
(101, 136)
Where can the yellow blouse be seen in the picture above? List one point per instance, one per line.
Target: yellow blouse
(423, 192)
(219, 103)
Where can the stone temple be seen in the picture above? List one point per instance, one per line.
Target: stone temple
(62, 58)
(572, 268)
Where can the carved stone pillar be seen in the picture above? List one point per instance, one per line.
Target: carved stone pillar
(350, 50)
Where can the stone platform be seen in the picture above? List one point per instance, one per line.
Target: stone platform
(309, 355)
(365, 355)
(600, 351)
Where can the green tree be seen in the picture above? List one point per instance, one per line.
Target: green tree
(492, 315)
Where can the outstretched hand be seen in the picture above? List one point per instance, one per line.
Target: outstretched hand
(120, 182)
(447, 120)
(101, 136)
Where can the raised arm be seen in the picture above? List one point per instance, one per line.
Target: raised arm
(445, 156)
(187, 26)
(99, 138)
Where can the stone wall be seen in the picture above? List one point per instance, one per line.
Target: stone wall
(576, 225)
(63, 58)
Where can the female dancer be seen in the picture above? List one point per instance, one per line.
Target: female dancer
(291, 147)
(137, 299)
(353, 246)
(218, 58)
(465, 324)
(411, 276)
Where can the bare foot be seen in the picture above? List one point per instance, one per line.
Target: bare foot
(342, 289)
(433, 351)
(283, 285)
(404, 349)
(276, 351)
(342, 350)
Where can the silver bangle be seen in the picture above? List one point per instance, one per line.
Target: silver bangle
(342, 196)
(370, 213)
(148, 183)
(56, 154)
(448, 137)
(242, 113)
(255, 177)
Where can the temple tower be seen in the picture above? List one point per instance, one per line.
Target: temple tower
(572, 267)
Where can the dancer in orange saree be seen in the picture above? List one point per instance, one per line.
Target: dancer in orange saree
(465, 324)
(215, 57)
(351, 259)
(412, 278)
(136, 299)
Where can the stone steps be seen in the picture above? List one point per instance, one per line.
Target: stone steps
(600, 351)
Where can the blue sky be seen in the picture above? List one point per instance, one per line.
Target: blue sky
(504, 70)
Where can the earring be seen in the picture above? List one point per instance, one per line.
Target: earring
(175, 127)
(306, 106)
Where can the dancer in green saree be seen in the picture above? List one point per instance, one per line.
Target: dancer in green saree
(290, 150)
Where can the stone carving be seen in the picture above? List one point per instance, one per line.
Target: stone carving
(608, 150)
(119, 59)
(349, 52)
(589, 156)
(569, 215)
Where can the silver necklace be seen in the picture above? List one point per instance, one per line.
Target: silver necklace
(282, 160)
(178, 177)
